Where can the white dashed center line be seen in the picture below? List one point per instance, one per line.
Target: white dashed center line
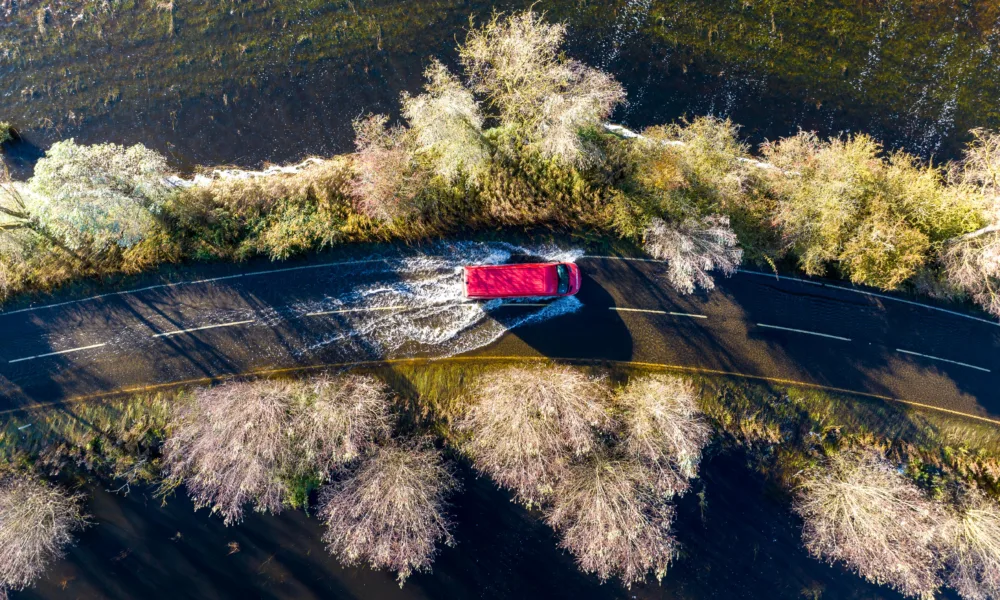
(826, 335)
(352, 310)
(180, 331)
(954, 362)
(657, 312)
(17, 360)
(509, 304)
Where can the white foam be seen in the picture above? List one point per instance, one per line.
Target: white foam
(430, 312)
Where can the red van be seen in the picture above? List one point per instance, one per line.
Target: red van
(521, 281)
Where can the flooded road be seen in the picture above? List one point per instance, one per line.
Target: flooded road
(247, 82)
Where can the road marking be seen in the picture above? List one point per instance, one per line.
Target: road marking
(523, 304)
(826, 335)
(448, 359)
(180, 331)
(872, 294)
(954, 362)
(17, 360)
(352, 310)
(657, 312)
(193, 282)
(817, 283)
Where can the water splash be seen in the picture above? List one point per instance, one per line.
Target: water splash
(415, 304)
(629, 20)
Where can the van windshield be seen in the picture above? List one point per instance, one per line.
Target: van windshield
(563, 273)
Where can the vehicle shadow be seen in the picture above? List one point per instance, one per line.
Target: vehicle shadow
(593, 332)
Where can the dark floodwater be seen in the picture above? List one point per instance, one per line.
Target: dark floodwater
(250, 81)
(739, 542)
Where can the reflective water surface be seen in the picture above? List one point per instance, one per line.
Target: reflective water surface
(248, 81)
(252, 81)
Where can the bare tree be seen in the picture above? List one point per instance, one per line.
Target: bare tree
(338, 419)
(387, 178)
(390, 512)
(693, 248)
(517, 63)
(242, 442)
(972, 264)
(664, 428)
(857, 508)
(972, 261)
(449, 124)
(612, 520)
(229, 445)
(980, 164)
(971, 546)
(37, 523)
(526, 423)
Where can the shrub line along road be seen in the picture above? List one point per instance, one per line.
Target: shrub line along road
(780, 329)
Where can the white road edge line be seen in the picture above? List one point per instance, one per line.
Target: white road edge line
(657, 312)
(194, 282)
(352, 310)
(820, 284)
(954, 362)
(826, 335)
(17, 360)
(180, 331)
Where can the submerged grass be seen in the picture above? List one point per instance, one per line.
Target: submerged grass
(784, 427)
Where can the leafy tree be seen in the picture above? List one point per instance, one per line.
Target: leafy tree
(14, 213)
(879, 220)
(699, 165)
(97, 196)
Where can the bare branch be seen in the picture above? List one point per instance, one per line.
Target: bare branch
(390, 512)
(527, 423)
(858, 509)
(693, 248)
(37, 522)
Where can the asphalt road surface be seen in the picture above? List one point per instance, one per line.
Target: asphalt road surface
(752, 324)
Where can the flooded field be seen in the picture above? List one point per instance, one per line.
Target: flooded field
(250, 81)
(247, 82)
